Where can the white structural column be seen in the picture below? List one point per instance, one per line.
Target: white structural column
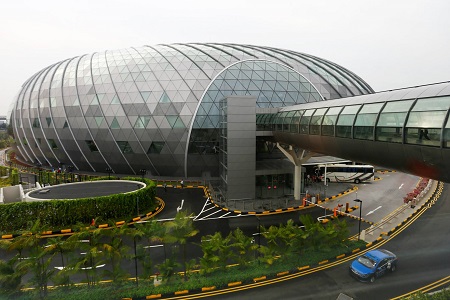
(297, 159)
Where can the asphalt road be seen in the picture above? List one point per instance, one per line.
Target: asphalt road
(424, 257)
(422, 248)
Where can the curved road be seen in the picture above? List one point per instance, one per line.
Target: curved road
(423, 251)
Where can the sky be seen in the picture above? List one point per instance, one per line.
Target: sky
(388, 43)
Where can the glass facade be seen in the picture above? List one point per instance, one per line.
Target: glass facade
(157, 107)
(420, 121)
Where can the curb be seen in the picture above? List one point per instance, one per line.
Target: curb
(276, 211)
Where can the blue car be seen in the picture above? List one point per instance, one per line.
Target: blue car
(373, 264)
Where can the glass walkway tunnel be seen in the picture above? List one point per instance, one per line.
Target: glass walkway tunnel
(406, 129)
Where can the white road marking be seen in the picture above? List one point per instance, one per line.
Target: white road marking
(400, 186)
(372, 211)
(86, 268)
(154, 246)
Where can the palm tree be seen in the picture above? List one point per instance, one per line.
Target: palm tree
(151, 231)
(179, 231)
(61, 245)
(244, 247)
(217, 250)
(168, 268)
(88, 241)
(39, 258)
(10, 278)
(115, 251)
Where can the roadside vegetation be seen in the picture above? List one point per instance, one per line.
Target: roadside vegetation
(441, 295)
(6, 140)
(60, 214)
(235, 257)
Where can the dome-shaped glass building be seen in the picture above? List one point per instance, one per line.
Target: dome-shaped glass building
(157, 107)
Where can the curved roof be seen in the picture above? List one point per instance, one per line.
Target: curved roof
(93, 110)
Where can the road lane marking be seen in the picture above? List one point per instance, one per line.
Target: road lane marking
(372, 211)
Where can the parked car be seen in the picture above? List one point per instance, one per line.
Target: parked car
(373, 264)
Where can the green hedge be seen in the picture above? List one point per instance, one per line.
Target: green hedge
(58, 214)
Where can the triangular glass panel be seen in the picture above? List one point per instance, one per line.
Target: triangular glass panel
(155, 147)
(94, 100)
(99, 121)
(115, 100)
(114, 124)
(164, 98)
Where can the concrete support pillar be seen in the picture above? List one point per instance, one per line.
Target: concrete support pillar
(297, 159)
(297, 182)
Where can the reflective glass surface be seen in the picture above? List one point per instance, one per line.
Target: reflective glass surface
(160, 103)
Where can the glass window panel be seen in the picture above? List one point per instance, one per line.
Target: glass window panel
(420, 136)
(349, 110)
(287, 120)
(36, 123)
(347, 115)
(345, 120)
(52, 143)
(115, 124)
(371, 108)
(295, 121)
(124, 147)
(98, 120)
(426, 119)
(344, 131)
(155, 147)
(365, 120)
(392, 119)
(317, 117)
(316, 120)
(398, 106)
(307, 116)
(447, 134)
(91, 145)
(389, 134)
(328, 130)
(441, 103)
(363, 132)
(304, 121)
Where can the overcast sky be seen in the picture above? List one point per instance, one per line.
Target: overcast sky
(389, 43)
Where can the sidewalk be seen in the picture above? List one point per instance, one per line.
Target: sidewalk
(318, 192)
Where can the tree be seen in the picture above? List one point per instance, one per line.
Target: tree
(244, 247)
(39, 258)
(88, 241)
(151, 231)
(62, 246)
(10, 278)
(217, 250)
(115, 251)
(168, 268)
(179, 231)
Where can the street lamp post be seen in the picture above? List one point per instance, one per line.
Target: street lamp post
(259, 237)
(143, 172)
(360, 212)
(40, 173)
(108, 170)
